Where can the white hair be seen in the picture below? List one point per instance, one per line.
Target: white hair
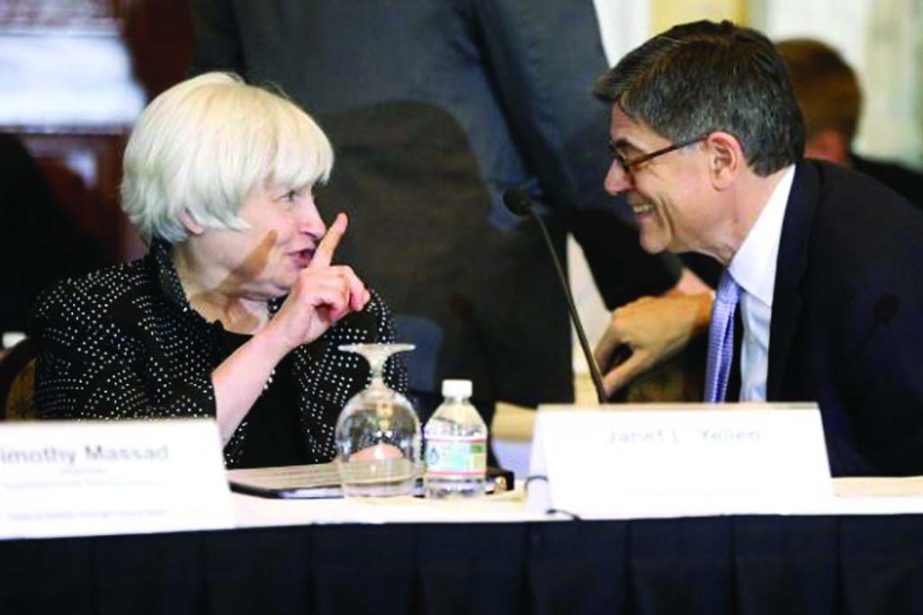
(203, 146)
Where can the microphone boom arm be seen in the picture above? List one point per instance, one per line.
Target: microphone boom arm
(581, 335)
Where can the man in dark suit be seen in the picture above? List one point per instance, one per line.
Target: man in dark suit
(822, 264)
(434, 110)
(830, 99)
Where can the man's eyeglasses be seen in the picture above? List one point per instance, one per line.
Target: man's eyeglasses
(627, 165)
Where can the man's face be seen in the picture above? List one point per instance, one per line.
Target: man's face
(668, 193)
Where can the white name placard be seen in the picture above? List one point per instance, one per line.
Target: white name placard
(668, 460)
(114, 477)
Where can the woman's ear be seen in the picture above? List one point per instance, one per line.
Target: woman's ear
(192, 227)
(727, 159)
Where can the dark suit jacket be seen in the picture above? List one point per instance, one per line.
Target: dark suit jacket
(124, 343)
(39, 242)
(907, 182)
(434, 109)
(847, 318)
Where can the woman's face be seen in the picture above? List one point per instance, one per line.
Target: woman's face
(264, 260)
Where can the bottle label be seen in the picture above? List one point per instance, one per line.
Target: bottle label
(456, 457)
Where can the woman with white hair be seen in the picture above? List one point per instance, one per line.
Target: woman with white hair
(236, 312)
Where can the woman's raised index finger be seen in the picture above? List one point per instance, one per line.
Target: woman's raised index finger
(323, 256)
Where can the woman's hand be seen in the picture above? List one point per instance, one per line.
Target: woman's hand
(322, 295)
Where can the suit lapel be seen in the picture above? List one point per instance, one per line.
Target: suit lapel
(790, 269)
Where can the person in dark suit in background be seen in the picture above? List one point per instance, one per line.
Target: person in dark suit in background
(39, 242)
(437, 108)
(822, 263)
(830, 99)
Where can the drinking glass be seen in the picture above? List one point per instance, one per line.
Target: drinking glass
(378, 433)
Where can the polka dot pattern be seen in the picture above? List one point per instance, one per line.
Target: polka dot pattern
(124, 343)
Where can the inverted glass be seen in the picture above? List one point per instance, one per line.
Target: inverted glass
(378, 433)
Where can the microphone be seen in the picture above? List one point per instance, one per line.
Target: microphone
(518, 202)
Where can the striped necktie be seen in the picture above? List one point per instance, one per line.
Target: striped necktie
(721, 338)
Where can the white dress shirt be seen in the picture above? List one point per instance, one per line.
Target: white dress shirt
(754, 269)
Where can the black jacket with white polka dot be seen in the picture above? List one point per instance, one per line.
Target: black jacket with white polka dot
(124, 343)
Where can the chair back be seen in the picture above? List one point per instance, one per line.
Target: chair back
(17, 376)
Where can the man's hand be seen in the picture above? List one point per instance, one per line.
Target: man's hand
(655, 329)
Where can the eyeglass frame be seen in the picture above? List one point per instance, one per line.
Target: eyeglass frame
(628, 164)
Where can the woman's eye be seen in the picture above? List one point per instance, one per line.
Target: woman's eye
(290, 196)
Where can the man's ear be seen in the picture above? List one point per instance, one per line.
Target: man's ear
(726, 159)
(192, 227)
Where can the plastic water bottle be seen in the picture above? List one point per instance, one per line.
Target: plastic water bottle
(456, 445)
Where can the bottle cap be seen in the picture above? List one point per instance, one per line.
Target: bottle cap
(456, 388)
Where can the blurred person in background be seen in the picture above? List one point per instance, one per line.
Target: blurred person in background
(830, 99)
(39, 242)
(436, 109)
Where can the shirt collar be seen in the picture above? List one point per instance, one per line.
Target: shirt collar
(162, 267)
(754, 265)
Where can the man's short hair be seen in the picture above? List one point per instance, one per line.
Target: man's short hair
(206, 144)
(826, 87)
(703, 77)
